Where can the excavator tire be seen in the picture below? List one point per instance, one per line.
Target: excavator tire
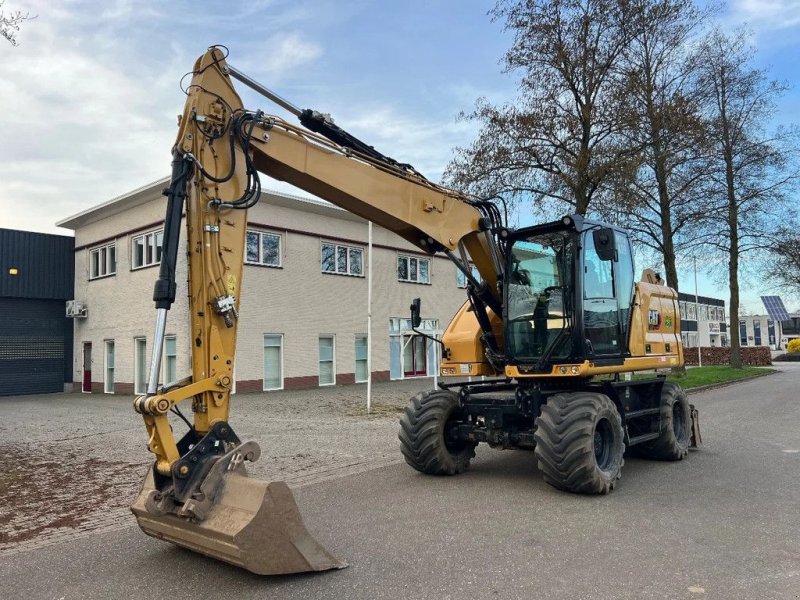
(676, 423)
(422, 439)
(580, 442)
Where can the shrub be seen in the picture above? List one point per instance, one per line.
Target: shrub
(794, 345)
(753, 356)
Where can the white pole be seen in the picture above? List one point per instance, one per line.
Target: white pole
(369, 319)
(697, 308)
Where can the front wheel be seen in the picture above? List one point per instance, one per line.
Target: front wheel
(423, 435)
(579, 443)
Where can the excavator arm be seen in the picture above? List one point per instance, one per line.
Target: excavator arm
(197, 494)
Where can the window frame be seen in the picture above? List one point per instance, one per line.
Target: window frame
(106, 368)
(137, 367)
(104, 251)
(365, 360)
(263, 371)
(167, 356)
(408, 258)
(158, 250)
(348, 248)
(461, 279)
(332, 337)
(261, 235)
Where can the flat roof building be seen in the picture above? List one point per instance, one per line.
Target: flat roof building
(303, 306)
(702, 321)
(762, 330)
(36, 280)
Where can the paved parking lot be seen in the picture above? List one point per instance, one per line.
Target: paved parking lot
(722, 524)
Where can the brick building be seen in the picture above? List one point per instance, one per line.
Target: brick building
(303, 311)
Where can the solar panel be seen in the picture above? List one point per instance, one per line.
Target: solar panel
(775, 308)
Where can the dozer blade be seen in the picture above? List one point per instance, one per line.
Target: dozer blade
(253, 524)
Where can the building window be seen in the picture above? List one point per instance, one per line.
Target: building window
(757, 332)
(682, 309)
(704, 312)
(342, 260)
(742, 333)
(413, 269)
(170, 359)
(109, 378)
(461, 279)
(146, 249)
(362, 372)
(691, 311)
(771, 332)
(103, 261)
(273, 362)
(327, 369)
(263, 249)
(139, 365)
(721, 314)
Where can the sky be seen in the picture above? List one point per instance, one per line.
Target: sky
(90, 96)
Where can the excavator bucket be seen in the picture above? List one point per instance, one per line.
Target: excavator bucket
(251, 523)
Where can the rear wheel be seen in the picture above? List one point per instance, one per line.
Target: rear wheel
(676, 425)
(579, 442)
(423, 435)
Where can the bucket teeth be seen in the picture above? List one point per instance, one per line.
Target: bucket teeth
(253, 524)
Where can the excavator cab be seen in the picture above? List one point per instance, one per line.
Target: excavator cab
(568, 294)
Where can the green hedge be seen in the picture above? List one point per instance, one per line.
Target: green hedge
(758, 356)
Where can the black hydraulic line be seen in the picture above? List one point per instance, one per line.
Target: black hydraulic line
(165, 287)
(319, 123)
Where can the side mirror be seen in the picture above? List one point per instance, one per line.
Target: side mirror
(604, 243)
(416, 319)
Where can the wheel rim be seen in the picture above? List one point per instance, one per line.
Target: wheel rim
(603, 444)
(678, 422)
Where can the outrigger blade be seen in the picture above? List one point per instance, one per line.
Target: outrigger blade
(247, 522)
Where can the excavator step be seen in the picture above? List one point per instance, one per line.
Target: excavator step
(643, 438)
(632, 414)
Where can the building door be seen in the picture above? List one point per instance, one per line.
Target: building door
(415, 357)
(87, 367)
(35, 346)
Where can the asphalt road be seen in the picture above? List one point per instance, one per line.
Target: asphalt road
(724, 523)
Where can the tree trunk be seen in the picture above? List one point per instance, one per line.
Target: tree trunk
(733, 262)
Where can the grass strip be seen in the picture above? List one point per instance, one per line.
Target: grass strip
(701, 376)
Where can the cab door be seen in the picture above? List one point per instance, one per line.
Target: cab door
(607, 294)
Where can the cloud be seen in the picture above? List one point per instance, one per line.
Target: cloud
(277, 55)
(766, 15)
(90, 99)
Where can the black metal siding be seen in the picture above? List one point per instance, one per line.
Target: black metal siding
(45, 264)
(35, 346)
(684, 297)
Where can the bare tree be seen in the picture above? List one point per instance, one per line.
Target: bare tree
(10, 23)
(752, 168)
(783, 261)
(659, 203)
(562, 139)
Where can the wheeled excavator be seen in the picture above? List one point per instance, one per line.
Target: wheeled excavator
(537, 358)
